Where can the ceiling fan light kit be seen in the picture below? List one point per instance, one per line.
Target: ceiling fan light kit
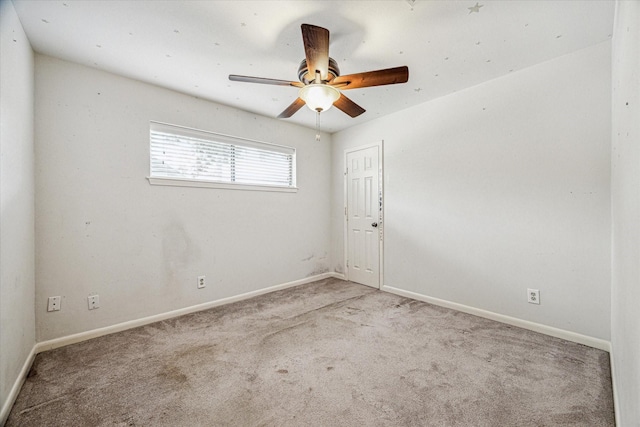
(319, 96)
(320, 81)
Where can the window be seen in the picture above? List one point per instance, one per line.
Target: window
(190, 157)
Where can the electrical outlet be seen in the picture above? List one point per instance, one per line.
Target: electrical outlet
(201, 282)
(533, 296)
(94, 301)
(54, 304)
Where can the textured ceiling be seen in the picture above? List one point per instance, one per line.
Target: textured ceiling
(192, 46)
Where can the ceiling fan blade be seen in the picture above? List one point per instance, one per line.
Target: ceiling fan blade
(292, 109)
(263, 80)
(348, 106)
(316, 49)
(388, 76)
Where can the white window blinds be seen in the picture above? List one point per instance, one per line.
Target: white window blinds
(189, 154)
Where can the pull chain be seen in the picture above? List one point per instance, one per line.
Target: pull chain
(318, 125)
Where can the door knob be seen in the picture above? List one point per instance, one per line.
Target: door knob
(374, 225)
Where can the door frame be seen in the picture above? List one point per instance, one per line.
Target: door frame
(345, 229)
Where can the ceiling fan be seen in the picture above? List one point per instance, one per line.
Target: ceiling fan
(320, 80)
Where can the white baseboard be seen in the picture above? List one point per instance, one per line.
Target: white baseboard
(83, 336)
(525, 324)
(17, 385)
(616, 405)
(340, 276)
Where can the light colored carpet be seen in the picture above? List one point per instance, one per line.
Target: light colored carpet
(330, 353)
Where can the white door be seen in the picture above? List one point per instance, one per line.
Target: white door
(363, 215)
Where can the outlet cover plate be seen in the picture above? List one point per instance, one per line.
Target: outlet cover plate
(533, 296)
(53, 304)
(94, 301)
(201, 282)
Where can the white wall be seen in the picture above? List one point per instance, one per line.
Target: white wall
(625, 200)
(17, 283)
(102, 228)
(500, 188)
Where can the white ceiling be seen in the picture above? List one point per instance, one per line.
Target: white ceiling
(192, 46)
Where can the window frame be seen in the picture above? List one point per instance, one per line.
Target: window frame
(225, 139)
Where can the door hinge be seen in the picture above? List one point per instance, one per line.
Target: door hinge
(345, 211)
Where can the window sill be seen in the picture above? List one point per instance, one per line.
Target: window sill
(180, 182)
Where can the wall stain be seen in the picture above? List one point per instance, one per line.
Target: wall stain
(178, 251)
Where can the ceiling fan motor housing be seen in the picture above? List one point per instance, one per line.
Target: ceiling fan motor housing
(306, 78)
